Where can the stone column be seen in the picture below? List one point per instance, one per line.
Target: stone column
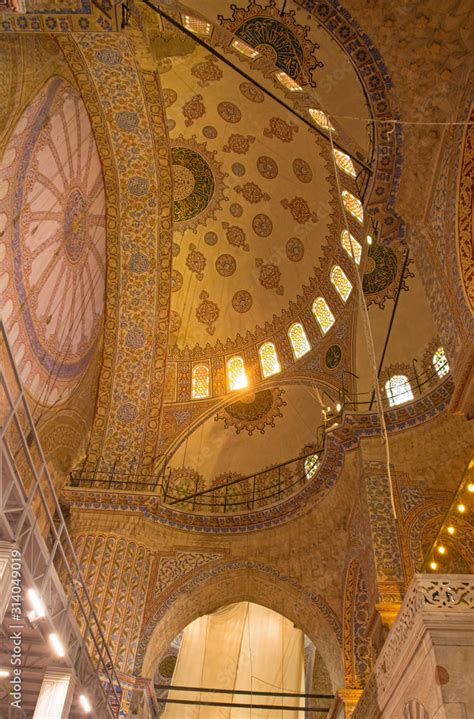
(386, 546)
(56, 693)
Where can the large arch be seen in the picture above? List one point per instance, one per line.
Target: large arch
(121, 92)
(50, 174)
(235, 582)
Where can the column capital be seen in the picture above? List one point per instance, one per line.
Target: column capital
(349, 698)
(388, 612)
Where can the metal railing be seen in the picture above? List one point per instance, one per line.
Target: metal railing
(418, 384)
(114, 480)
(257, 490)
(31, 519)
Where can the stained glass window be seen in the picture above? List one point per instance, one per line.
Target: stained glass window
(288, 82)
(320, 118)
(269, 359)
(344, 162)
(245, 49)
(236, 376)
(200, 381)
(353, 205)
(398, 390)
(347, 240)
(199, 27)
(341, 282)
(440, 363)
(323, 314)
(311, 465)
(298, 339)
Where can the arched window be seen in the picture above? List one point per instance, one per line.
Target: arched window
(200, 382)
(323, 314)
(320, 118)
(196, 25)
(236, 377)
(311, 465)
(268, 359)
(288, 82)
(344, 163)
(440, 363)
(398, 390)
(341, 282)
(353, 205)
(245, 49)
(351, 246)
(299, 341)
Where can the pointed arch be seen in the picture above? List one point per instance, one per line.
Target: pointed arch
(228, 582)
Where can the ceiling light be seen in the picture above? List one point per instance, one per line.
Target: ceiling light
(441, 549)
(369, 240)
(470, 487)
(461, 508)
(338, 406)
(85, 703)
(4, 673)
(451, 530)
(433, 565)
(38, 606)
(245, 49)
(57, 645)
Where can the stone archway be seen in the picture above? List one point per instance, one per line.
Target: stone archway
(243, 581)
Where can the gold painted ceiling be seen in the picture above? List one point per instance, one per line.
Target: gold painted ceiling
(251, 202)
(255, 202)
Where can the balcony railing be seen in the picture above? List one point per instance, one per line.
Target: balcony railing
(246, 494)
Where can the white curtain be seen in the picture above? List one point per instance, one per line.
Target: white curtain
(242, 646)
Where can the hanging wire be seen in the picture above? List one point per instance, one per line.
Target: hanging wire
(364, 309)
(368, 335)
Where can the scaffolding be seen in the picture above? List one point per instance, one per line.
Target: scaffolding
(32, 522)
